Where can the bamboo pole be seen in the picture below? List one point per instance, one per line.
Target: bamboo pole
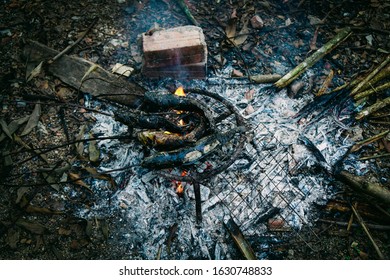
(356, 89)
(362, 185)
(368, 141)
(373, 108)
(366, 93)
(187, 12)
(311, 60)
(239, 239)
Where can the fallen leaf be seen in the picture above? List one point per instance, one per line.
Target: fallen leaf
(80, 146)
(97, 175)
(35, 72)
(231, 28)
(89, 71)
(33, 227)
(33, 120)
(64, 231)
(20, 193)
(93, 150)
(5, 129)
(76, 179)
(249, 94)
(242, 35)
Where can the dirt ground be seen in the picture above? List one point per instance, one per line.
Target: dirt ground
(36, 222)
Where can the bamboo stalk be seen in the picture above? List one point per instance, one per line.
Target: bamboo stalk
(343, 224)
(375, 156)
(356, 89)
(366, 230)
(187, 12)
(384, 73)
(373, 108)
(311, 60)
(367, 141)
(362, 185)
(240, 240)
(263, 79)
(366, 93)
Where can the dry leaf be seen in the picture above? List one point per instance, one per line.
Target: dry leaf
(33, 120)
(80, 146)
(242, 35)
(5, 129)
(231, 28)
(76, 179)
(93, 150)
(33, 227)
(35, 72)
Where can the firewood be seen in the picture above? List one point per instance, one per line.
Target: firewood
(361, 184)
(311, 60)
(239, 239)
(371, 75)
(71, 70)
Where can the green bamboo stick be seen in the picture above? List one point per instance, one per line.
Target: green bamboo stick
(311, 60)
(373, 108)
(187, 11)
(366, 93)
(370, 76)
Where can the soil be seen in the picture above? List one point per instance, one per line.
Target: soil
(36, 220)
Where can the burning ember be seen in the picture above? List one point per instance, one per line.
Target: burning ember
(179, 186)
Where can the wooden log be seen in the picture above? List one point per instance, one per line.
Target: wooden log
(361, 184)
(72, 71)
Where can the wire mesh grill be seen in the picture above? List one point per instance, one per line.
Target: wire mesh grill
(259, 188)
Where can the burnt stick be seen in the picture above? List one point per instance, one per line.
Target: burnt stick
(167, 100)
(146, 120)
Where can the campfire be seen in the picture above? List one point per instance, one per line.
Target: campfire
(193, 140)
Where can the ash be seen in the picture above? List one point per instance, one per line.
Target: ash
(276, 179)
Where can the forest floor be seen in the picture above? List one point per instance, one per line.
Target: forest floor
(33, 223)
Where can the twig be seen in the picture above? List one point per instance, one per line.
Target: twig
(373, 108)
(68, 48)
(375, 156)
(363, 225)
(370, 76)
(371, 91)
(187, 12)
(368, 141)
(343, 224)
(311, 60)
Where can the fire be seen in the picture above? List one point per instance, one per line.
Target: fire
(179, 184)
(180, 91)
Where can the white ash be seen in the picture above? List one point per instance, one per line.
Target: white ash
(277, 173)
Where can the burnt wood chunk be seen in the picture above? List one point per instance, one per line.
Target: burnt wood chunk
(179, 52)
(72, 70)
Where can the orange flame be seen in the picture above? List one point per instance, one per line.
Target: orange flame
(180, 91)
(179, 184)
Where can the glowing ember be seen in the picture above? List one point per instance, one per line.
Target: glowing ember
(180, 91)
(179, 185)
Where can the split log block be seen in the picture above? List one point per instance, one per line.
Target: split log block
(72, 70)
(179, 52)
